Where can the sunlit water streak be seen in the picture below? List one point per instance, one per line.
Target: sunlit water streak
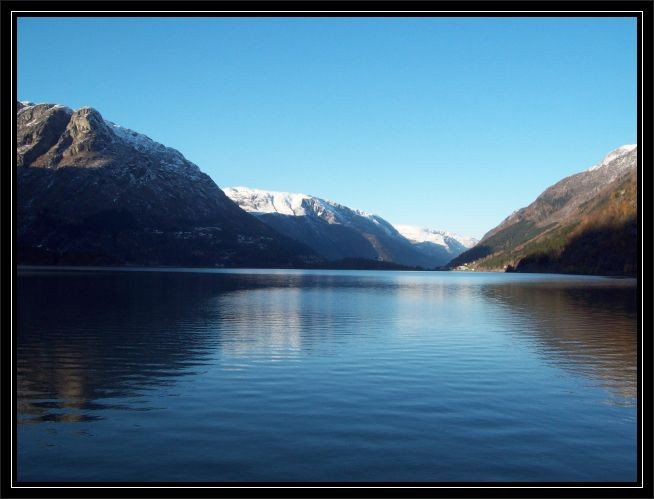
(325, 376)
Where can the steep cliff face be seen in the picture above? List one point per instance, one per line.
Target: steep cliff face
(586, 223)
(90, 191)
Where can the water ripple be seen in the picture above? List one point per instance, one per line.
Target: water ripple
(274, 375)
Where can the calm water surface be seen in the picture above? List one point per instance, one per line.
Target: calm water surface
(325, 376)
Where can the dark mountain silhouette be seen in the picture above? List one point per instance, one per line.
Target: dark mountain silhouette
(92, 192)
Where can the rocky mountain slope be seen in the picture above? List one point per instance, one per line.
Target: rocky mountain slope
(92, 192)
(586, 223)
(336, 231)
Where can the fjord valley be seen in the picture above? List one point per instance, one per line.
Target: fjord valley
(146, 289)
(91, 192)
(343, 252)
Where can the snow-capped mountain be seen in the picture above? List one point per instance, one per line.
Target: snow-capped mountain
(336, 231)
(424, 238)
(91, 191)
(258, 201)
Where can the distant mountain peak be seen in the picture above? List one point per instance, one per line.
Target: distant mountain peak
(260, 201)
(337, 231)
(441, 237)
(263, 201)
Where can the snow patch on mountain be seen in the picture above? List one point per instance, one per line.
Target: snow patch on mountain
(141, 142)
(169, 157)
(259, 201)
(304, 217)
(29, 105)
(613, 155)
(441, 237)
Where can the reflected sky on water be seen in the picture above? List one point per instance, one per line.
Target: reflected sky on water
(325, 375)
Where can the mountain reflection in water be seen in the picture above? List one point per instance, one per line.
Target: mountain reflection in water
(562, 320)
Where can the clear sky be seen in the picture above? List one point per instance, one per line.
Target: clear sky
(443, 123)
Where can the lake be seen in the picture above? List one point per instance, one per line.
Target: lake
(349, 376)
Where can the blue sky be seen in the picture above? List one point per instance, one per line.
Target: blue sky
(439, 122)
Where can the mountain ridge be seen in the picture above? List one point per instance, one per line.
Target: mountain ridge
(600, 199)
(453, 243)
(91, 191)
(337, 231)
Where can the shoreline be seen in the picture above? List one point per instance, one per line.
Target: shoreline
(171, 268)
